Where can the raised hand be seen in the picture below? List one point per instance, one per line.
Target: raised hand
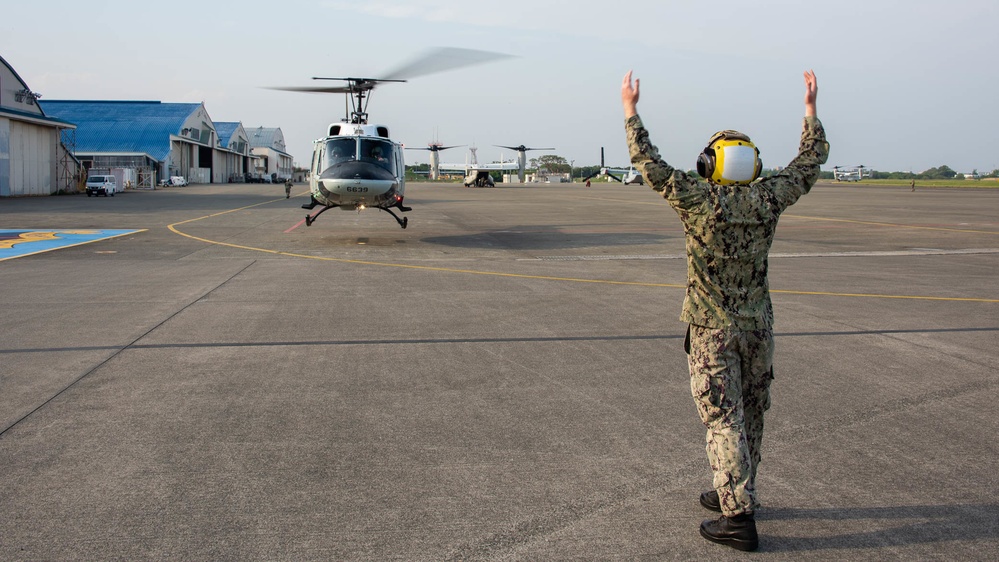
(811, 92)
(629, 95)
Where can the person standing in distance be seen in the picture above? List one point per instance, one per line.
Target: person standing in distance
(729, 224)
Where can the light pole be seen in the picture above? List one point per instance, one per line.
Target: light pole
(571, 164)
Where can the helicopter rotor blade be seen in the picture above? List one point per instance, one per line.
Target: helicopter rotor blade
(357, 80)
(437, 60)
(441, 59)
(314, 89)
(355, 85)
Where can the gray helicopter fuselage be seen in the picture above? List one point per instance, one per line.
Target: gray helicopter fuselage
(357, 166)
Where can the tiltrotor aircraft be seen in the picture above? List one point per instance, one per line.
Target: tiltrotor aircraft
(356, 165)
(522, 158)
(627, 175)
(850, 173)
(479, 175)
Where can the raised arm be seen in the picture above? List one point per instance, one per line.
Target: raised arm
(678, 188)
(798, 177)
(811, 91)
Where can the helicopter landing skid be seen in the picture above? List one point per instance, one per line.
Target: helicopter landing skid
(309, 219)
(404, 221)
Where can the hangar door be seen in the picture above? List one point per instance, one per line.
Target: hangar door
(32, 159)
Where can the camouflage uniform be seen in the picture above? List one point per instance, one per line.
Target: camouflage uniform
(729, 231)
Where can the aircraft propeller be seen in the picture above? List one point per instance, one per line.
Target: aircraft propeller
(521, 148)
(433, 147)
(521, 157)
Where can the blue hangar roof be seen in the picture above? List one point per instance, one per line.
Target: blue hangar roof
(137, 127)
(225, 129)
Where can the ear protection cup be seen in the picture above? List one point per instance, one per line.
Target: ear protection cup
(706, 163)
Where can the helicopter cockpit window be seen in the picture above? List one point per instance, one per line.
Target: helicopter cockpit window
(378, 152)
(340, 150)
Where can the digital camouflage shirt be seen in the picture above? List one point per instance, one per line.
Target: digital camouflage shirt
(729, 230)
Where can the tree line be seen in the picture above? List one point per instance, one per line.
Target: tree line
(938, 173)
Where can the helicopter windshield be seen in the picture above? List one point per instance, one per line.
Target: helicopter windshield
(340, 150)
(378, 152)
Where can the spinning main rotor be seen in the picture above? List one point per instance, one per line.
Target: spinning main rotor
(358, 90)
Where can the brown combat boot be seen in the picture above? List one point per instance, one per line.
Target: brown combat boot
(737, 531)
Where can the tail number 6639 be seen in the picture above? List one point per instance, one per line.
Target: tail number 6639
(357, 189)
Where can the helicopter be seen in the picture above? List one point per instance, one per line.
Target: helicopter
(356, 165)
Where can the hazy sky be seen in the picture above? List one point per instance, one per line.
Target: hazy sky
(903, 85)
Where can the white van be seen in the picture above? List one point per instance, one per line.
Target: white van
(100, 184)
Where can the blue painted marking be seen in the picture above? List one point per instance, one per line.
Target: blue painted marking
(17, 243)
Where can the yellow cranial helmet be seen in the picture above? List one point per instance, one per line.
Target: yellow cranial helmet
(730, 159)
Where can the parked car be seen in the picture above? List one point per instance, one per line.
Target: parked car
(173, 181)
(100, 184)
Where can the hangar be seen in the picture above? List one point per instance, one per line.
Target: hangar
(153, 140)
(273, 160)
(237, 162)
(34, 159)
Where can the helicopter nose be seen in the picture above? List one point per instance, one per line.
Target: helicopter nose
(356, 171)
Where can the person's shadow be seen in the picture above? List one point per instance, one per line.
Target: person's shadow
(879, 527)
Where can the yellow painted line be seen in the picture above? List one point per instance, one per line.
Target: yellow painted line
(870, 223)
(894, 225)
(172, 228)
(879, 296)
(219, 214)
(632, 201)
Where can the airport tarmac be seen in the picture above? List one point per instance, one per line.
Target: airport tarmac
(502, 380)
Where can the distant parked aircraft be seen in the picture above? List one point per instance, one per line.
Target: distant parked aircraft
(851, 173)
(479, 174)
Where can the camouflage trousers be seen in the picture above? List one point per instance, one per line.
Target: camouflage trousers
(730, 375)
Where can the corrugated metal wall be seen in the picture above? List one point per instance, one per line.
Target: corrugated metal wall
(4, 157)
(28, 159)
